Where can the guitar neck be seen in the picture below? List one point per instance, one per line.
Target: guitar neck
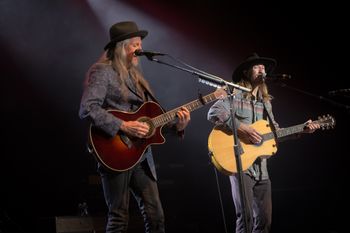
(191, 106)
(324, 123)
(290, 130)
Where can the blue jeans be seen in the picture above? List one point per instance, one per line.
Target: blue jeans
(258, 203)
(117, 188)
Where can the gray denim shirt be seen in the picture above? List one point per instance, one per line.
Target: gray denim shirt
(247, 111)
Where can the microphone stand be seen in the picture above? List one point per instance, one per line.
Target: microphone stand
(210, 78)
(237, 146)
(237, 153)
(346, 108)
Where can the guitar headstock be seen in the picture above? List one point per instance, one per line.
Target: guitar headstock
(326, 122)
(220, 93)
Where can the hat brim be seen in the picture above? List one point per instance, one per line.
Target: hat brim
(141, 34)
(269, 64)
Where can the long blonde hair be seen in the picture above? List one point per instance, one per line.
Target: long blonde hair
(245, 82)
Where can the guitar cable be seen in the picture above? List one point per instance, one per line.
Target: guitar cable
(220, 195)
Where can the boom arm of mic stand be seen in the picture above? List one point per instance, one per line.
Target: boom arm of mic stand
(210, 78)
(345, 107)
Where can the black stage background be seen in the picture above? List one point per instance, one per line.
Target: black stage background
(47, 46)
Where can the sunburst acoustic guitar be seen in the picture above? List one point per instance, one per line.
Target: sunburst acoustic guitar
(121, 152)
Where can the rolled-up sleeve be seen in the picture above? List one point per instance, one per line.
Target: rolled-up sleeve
(220, 114)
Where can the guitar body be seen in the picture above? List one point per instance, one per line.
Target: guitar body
(220, 144)
(120, 153)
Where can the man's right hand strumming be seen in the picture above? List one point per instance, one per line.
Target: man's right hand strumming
(135, 128)
(249, 134)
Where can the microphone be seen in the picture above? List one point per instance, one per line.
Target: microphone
(262, 75)
(277, 76)
(339, 92)
(148, 54)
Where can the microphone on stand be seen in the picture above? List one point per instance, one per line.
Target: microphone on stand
(276, 77)
(340, 92)
(148, 54)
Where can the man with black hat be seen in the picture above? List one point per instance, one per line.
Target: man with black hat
(249, 108)
(116, 82)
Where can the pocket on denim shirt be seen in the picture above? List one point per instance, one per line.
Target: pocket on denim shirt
(241, 115)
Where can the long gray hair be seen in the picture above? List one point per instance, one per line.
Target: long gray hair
(116, 56)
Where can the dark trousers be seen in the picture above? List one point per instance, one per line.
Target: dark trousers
(259, 204)
(139, 182)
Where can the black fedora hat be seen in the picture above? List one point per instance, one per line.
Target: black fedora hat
(122, 31)
(253, 59)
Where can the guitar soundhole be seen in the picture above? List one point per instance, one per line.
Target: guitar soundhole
(150, 124)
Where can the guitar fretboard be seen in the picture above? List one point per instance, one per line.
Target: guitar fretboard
(290, 130)
(171, 115)
(295, 129)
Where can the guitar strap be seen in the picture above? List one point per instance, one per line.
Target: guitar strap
(148, 93)
(270, 118)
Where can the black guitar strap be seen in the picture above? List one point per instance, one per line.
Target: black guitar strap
(148, 93)
(270, 118)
